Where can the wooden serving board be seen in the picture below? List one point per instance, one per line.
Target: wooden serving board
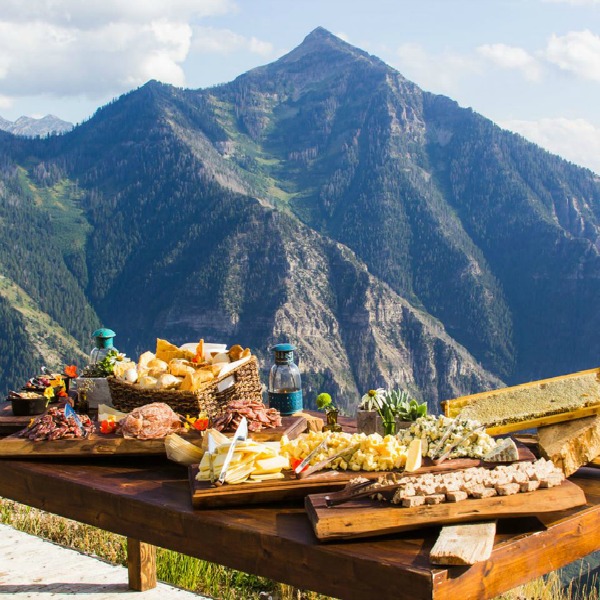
(205, 495)
(98, 444)
(366, 518)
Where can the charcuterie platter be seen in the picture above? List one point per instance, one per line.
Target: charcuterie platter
(103, 444)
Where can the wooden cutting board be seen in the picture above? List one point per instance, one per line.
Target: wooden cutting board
(204, 495)
(367, 518)
(98, 444)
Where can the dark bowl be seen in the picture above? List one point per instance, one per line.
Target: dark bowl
(27, 407)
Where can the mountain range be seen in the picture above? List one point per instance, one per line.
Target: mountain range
(32, 127)
(397, 238)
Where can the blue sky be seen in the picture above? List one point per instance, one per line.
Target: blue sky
(532, 66)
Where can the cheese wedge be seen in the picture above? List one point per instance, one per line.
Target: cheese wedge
(505, 451)
(414, 456)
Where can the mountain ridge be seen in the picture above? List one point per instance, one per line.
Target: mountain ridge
(397, 238)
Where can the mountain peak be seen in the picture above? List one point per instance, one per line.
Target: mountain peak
(320, 41)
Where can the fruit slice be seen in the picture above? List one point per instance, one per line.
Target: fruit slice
(413, 458)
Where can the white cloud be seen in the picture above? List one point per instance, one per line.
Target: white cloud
(576, 140)
(98, 13)
(440, 73)
(511, 57)
(5, 101)
(577, 52)
(98, 49)
(225, 41)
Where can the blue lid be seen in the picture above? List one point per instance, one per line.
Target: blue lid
(283, 348)
(104, 333)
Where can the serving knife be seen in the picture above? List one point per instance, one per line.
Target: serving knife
(240, 435)
(321, 446)
(212, 446)
(323, 463)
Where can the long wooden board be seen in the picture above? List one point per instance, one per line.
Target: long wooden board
(205, 495)
(366, 518)
(98, 444)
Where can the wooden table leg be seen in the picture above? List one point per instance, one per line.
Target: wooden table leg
(141, 565)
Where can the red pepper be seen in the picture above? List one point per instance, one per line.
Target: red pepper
(107, 426)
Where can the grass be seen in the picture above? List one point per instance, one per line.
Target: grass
(215, 580)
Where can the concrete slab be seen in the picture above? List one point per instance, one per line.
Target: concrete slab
(34, 568)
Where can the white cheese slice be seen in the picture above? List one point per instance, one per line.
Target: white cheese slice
(270, 465)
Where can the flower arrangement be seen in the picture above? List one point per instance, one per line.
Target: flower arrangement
(106, 366)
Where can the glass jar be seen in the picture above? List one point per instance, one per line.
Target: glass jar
(285, 385)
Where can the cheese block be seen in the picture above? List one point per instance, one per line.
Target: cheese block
(505, 451)
(414, 456)
(572, 444)
(271, 465)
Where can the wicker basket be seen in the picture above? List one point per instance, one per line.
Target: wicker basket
(208, 399)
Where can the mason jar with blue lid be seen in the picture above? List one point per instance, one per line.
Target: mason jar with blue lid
(285, 385)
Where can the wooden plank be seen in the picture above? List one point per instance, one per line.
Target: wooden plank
(580, 413)
(205, 495)
(149, 499)
(94, 445)
(141, 565)
(98, 444)
(366, 518)
(464, 544)
(571, 445)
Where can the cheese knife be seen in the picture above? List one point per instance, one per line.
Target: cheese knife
(240, 435)
(212, 447)
(347, 452)
(320, 446)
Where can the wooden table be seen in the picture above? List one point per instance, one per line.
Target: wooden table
(148, 499)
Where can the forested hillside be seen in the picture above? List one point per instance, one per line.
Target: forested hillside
(397, 238)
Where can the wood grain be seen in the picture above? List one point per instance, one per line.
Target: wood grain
(148, 498)
(464, 544)
(98, 444)
(366, 518)
(141, 565)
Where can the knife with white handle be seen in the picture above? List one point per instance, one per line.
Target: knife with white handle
(212, 447)
(241, 433)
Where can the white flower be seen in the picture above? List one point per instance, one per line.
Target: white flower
(373, 399)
